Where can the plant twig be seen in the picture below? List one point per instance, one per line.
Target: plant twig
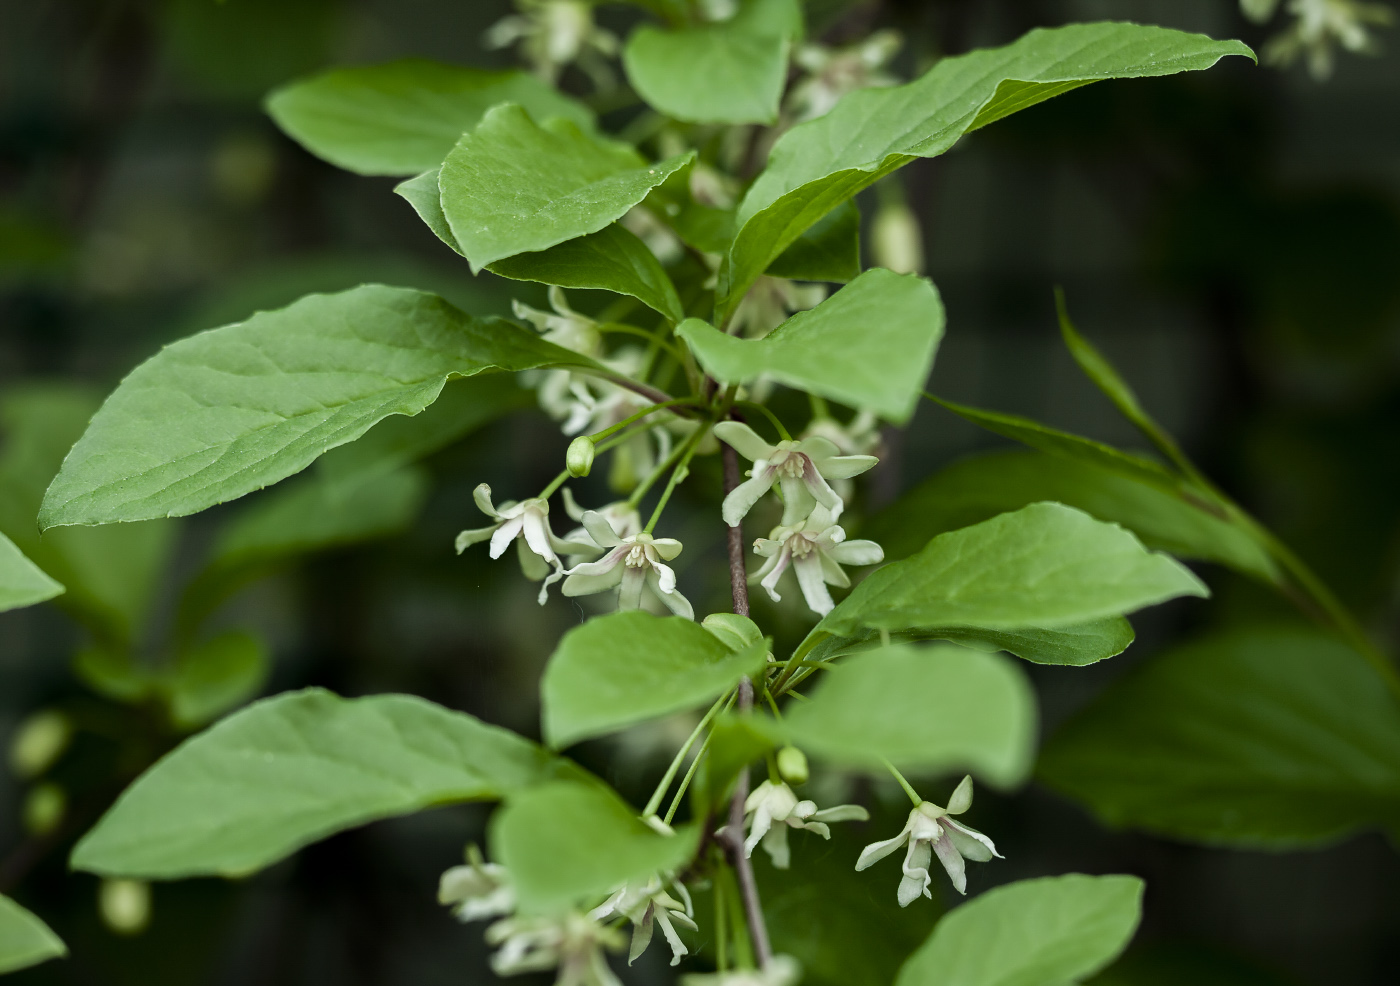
(734, 832)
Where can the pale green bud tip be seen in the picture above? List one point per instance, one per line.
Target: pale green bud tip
(579, 459)
(39, 741)
(125, 905)
(792, 764)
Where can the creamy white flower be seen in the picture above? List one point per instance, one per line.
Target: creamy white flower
(833, 72)
(769, 302)
(554, 33)
(621, 517)
(800, 468)
(782, 970)
(1320, 26)
(526, 523)
(477, 889)
(771, 809)
(815, 550)
(861, 436)
(573, 942)
(928, 832)
(646, 903)
(564, 326)
(633, 565)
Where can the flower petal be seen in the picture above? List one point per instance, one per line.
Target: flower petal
(468, 538)
(504, 535)
(818, 447)
(600, 530)
(821, 490)
(952, 862)
(762, 822)
(571, 506)
(581, 583)
(832, 573)
(877, 851)
(961, 798)
(744, 440)
(672, 600)
(842, 813)
(775, 571)
(775, 843)
(665, 577)
(858, 553)
(641, 936)
(532, 565)
(633, 581)
(809, 577)
(742, 498)
(971, 843)
(845, 466)
(678, 949)
(667, 548)
(482, 496)
(916, 879)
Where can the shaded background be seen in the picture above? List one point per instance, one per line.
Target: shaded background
(1231, 239)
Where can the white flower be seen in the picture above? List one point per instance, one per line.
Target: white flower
(772, 809)
(572, 942)
(620, 515)
(837, 71)
(632, 565)
(564, 327)
(646, 903)
(930, 831)
(477, 890)
(816, 549)
(782, 970)
(769, 302)
(554, 33)
(1320, 25)
(527, 521)
(800, 468)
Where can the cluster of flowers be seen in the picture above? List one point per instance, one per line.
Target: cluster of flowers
(1319, 27)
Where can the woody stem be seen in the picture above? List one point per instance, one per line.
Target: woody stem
(734, 831)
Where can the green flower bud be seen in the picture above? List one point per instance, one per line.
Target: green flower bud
(44, 807)
(579, 459)
(125, 905)
(792, 764)
(39, 741)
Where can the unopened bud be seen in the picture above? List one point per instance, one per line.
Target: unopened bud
(125, 905)
(44, 807)
(39, 741)
(579, 459)
(897, 241)
(792, 764)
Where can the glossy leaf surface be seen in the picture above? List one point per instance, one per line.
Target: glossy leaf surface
(22, 583)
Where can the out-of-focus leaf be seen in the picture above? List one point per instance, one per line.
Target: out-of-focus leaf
(514, 186)
(728, 72)
(981, 486)
(1073, 646)
(231, 410)
(925, 709)
(735, 742)
(212, 678)
(403, 117)
(619, 670)
(289, 770)
(820, 164)
(568, 843)
(870, 345)
(829, 251)
(24, 939)
(1045, 565)
(109, 573)
(22, 583)
(1270, 738)
(1055, 930)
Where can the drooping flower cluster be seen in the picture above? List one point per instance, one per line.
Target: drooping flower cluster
(772, 808)
(526, 523)
(1318, 29)
(634, 565)
(931, 832)
(556, 33)
(808, 539)
(646, 903)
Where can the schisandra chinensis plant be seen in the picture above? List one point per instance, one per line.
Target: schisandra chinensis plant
(740, 352)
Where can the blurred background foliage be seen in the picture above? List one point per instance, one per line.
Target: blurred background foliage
(1230, 239)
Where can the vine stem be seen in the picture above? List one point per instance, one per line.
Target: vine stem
(734, 831)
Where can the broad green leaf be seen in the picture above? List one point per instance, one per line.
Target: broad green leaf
(421, 192)
(1271, 738)
(735, 741)
(619, 670)
(110, 574)
(981, 486)
(234, 409)
(1073, 646)
(403, 117)
(926, 709)
(1045, 565)
(220, 673)
(1070, 446)
(24, 939)
(611, 259)
(570, 843)
(1047, 932)
(463, 406)
(514, 186)
(729, 72)
(22, 583)
(872, 132)
(289, 770)
(829, 251)
(870, 345)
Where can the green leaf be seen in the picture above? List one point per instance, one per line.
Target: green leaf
(729, 72)
(514, 186)
(234, 409)
(735, 741)
(423, 194)
(1045, 565)
(926, 709)
(1046, 932)
(872, 132)
(981, 486)
(611, 259)
(403, 117)
(570, 843)
(1271, 738)
(870, 345)
(110, 573)
(22, 583)
(289, 770)
(220, 673)
(24, 939)
(619, 670)
(1072, 646)
(829, 251)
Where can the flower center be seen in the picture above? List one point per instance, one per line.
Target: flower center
(802, 544)
(636, 557)
(790, 466)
